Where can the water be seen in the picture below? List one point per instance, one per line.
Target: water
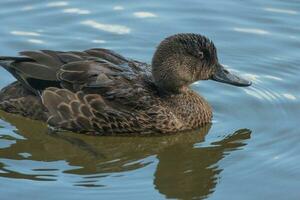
(251, 151)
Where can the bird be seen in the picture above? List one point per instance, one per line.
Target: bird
(100, 92)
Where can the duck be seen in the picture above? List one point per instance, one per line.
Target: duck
(100, 92)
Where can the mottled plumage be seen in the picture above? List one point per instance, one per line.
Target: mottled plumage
(98, 91)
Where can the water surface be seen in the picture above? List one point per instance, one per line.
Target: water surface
(250, 151)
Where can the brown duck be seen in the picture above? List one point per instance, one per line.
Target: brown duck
(98, 91)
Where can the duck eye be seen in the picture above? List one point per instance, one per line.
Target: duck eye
(201, 55)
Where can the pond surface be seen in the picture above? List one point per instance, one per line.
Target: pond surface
(250, 151)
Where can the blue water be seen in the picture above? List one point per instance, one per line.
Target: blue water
(251, 150)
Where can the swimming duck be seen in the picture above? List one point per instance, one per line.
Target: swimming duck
(98, 91)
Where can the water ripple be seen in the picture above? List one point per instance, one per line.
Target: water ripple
(25, 33)
(58, 4)
(285, 11)
(99, 41)
(35, 41)
(118, 8)
(144, 14)
(251, 30)
(289, 96)
(27, 8)
(268, 94)
(273, 77)
(118, 29)
(76, 11)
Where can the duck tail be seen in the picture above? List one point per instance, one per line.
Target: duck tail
(5, 59)
(6, 62)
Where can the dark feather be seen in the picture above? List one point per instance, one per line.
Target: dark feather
(38, 70)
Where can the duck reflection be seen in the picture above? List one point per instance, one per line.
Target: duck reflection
(183, 171)
(186, 172)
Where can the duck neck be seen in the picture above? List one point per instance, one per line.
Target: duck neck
(171, 76)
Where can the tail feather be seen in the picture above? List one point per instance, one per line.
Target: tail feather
(32, 75)
(15, 59)
(6, 61)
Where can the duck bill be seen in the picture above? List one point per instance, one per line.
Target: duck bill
(224, 76)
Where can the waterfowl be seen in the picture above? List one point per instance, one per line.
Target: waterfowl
(98, 91)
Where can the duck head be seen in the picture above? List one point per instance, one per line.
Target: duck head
(183, 59)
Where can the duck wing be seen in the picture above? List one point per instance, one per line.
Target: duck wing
(94, 90)
(101, 95)
(73, 70)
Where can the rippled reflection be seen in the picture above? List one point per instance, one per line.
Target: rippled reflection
(183, 171)
(186, 172)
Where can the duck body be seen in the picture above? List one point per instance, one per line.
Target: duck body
(98, 91)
